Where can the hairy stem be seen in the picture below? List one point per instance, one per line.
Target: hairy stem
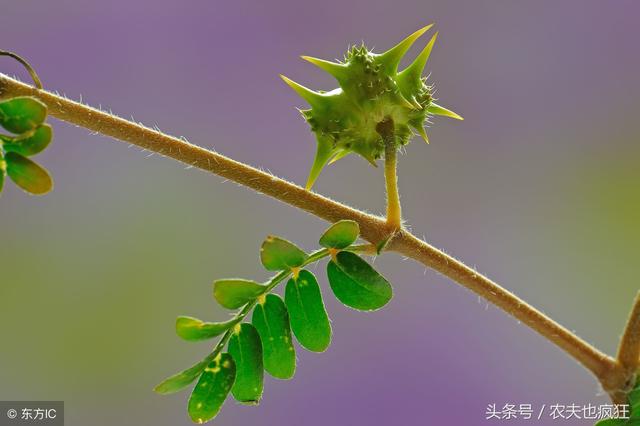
(394, 213)
(373, 228)
(393, 198)
(604, 367)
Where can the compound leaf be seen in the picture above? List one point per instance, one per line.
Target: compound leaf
(246, 349)
(309, 320)
(340, 235)
(271, 319)
(212, 389)
(278, 254)
(235, 293)
(193, 329)
(356, 284)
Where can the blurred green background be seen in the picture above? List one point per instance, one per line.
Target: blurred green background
(539, 188)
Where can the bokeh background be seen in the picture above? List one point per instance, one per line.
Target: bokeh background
(539, 188)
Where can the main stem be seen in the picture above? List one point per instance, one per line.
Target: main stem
(374, 229)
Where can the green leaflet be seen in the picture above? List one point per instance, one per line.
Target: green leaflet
(235, 293)
(31, 143)
(340, 235)
(271, 319)
(27, 174)
(278, 254)
(193, 329)
(22, 114)
(246, 349)
(212, 389)
(184, 378)
(356, 284)
(308, 316)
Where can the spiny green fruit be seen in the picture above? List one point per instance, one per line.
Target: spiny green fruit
(372, 91)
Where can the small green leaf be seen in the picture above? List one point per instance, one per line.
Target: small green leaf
(235, 293)
(356, 284)
(271, 319)
(193, 329)
(246, 349)
(340, 235)
(22, 114)
(309, 320)
(27, 174)
(277, 254)
(212, 389)
(31, 143)
(184, 378)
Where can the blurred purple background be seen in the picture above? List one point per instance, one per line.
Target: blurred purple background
(539, 188)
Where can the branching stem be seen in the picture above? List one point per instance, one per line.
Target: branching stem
(629, 349)
(374, 229)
